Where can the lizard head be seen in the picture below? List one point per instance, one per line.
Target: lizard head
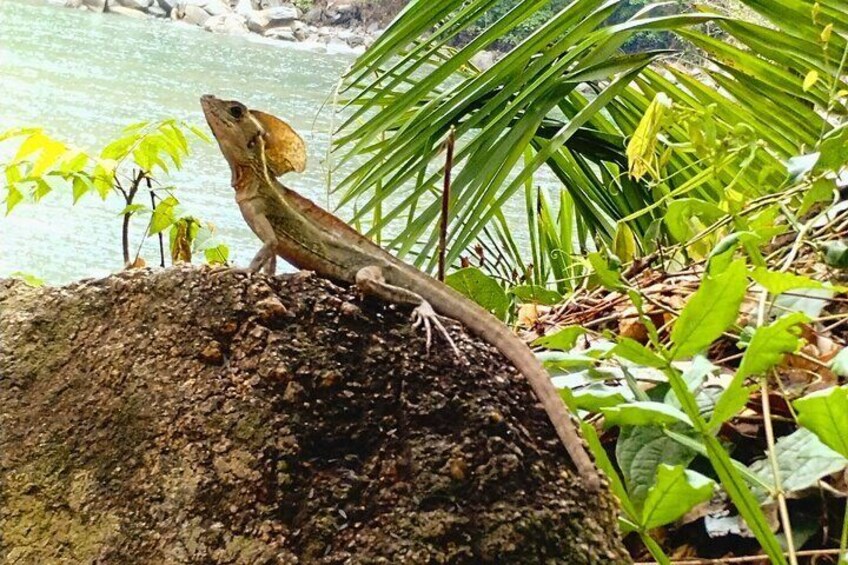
(253, 139)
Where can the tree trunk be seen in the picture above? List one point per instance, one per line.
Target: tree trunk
(191, 415)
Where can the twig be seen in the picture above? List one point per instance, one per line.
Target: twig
(443, 225)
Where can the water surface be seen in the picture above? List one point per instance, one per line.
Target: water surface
(84, 76)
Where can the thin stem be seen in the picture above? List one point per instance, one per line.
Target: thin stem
(443, 225)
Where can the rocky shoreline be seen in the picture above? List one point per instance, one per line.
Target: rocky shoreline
(338, 27)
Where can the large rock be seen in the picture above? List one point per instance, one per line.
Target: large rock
(283, 34)
(261, 20)
(188, 416)
(95, 5)
(129, 12)
(134, 4)
(300, 30)
(227, 24)
(168, 5)
(190, 14)
(211, 7)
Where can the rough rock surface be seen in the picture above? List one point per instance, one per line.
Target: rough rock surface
(192, 415)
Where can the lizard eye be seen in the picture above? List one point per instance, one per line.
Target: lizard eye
(236, 111)
(251, 143)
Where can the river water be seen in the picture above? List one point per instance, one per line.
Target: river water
(84, 76)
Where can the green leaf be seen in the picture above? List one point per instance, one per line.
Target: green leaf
(562, 340)
(163, 215)
(80, 185)
(606, 274)
(28, 278)
(839, 365)
(767, 348)
(836, 254)
(133, 208)
(681, 212)
(777, 282)
(675, 493)
(13, 198)
(810, 80)
(710, 311)
(536, 295)
(825, 413)
(802, 459)
(595, 397)
(641, 450)
(218, 255)
(644, 413)
(800, 166)
(635, 352)
(770, 343)
(642, 146)
(481, 288)
(624, 243)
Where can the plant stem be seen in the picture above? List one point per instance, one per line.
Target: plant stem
(443, 226)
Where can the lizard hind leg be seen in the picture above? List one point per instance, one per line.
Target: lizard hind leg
(265, 260)
(371, 281)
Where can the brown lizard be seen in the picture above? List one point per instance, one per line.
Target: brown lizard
(259, 148)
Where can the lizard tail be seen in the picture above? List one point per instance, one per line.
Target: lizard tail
(451, 304)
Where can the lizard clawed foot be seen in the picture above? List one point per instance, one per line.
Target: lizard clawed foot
(424, 316)
(265, 260)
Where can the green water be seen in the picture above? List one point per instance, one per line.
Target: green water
(84, 76)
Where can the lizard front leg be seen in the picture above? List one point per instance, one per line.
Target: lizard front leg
(266, 257)
(371, 281)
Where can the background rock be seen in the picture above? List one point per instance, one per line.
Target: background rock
(228, 24)
(196, 416)
(130, 12)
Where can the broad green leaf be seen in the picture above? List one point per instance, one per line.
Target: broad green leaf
(800, 166)
(810, 80)
(777, 282)
(104, 176)
(536, 294)
(79, 186)
(802, 459)
(563, 339)
(133, 209)
(836, 254)
(28, 278)
(595, 397)
(710, 311)
(635, 352)
(606, 274)
(825, 413)
(51, 152)
(766, 349)
(13, 198)
(163, 215)
(624, 243)
(808, 301)
(641, 450)
(481, 288)
(644, 413)
(642, 146)
(218, 255)
(675, 493)
(839, 365)
(681, 214)
(770, 343)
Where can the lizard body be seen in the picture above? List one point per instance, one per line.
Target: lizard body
(259, 148)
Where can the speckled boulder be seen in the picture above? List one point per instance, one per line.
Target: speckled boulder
(189, 415)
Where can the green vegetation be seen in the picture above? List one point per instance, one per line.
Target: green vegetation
(125, 168)
(725, 173)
